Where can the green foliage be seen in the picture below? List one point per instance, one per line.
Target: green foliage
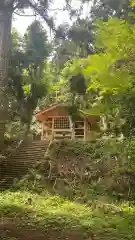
(73, 111)
(27, 82)
(100, 68)
(92, 176)
(110, 8)
(37, 47)
(77, 84)
(101, 173)
(73, 41)
(51, 78)
(83, 172)
(108, 74)
(100, 219)
(133, 3)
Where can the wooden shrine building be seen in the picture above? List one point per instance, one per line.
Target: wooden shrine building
(57, 124)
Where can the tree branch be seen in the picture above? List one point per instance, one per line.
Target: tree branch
(56, 9)
(43, 13)
(16, 6)
(25, 15)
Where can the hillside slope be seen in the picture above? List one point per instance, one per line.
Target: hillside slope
(79, 191)
(52, 217)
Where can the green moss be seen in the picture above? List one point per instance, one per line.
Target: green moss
(107, 221)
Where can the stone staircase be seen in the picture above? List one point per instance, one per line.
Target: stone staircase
(21, 160)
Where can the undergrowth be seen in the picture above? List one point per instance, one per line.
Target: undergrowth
(85, 171)
(86, 188)
(104, 221)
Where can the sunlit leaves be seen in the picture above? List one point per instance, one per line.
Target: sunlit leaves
(113, 35)
(26, 89)
(112, 69)
(133, 3)
(100, 69)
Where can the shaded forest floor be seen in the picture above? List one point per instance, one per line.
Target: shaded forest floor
(77, 192)
(31, 216)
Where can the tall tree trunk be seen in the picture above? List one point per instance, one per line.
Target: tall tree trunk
(27, 131)
(5, 36)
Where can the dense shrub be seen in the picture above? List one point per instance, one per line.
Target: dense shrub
(80, 171)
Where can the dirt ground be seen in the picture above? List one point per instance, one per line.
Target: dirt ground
(10, 231)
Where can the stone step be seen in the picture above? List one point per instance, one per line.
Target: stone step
(41, 143)
(33, 146)
(31, 149)
(29, 154)
(26, 157)
(34, 143)
(22, 159)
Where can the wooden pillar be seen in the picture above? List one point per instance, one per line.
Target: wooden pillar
(52, 129)
(85, 129)
(45, 129)
(72, 128)
(42, 133)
